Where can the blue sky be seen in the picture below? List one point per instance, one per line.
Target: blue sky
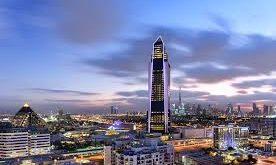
(87, 55)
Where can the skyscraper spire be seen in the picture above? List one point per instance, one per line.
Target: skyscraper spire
(179, 98)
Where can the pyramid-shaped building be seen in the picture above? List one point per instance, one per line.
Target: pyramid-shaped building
(26, 117)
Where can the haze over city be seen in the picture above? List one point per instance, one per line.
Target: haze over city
(86, 56)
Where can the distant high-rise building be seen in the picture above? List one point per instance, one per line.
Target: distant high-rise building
(239, 112)
(159, 86)
(194, 109)
(273, 112)
(230, 109)
(26, 117)
(265, 110)
(255, 109)
(239, 108)
(175, 109)
(179, 98)
(114, 110)
(199, 110)
(270, 110)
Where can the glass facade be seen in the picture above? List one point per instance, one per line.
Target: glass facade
(159, 78)
(230, 136)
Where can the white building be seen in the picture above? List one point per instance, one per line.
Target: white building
(145, 153)
(39, 144)
(13, 144)
(188, 132)
(20, 143)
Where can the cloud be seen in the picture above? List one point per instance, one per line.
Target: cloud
(255, 83)
(268, 97)
(61, 91)
(133, 61)
(138, 93)
(73, 101)
(143, 94)
(78, 22)
(210, 73)
(221, 22)
(88, 21)
(242, 92)
(210, 52)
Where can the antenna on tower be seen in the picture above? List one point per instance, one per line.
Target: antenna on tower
(179, 97)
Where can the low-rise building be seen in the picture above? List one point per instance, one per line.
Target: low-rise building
(145, 151)
(267, 144)
(199, 158)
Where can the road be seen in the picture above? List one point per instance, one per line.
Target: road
(190, 147)
(263, 160)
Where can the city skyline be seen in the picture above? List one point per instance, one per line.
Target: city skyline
(54, 58)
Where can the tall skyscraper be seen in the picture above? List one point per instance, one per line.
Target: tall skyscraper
(255, 109)
(265, 110)
(114, 109)
(230, 109)
(239, 112)
(179, 98)
(159, 86)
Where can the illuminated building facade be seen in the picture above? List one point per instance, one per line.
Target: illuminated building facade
(26, 117)
(21, 143)
(159, 86)
(229, 136)
(146, 151)
(39, 144)
(114, 110)
(13, 143)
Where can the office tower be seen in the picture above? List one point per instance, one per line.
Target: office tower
(229, 136)
(114, 109)
(265, 110)
(145, 151)
(159, 86)
(188, 109)
(13, 143)
(270, 110)
(255, 109)
(239, 112)
(230, 109)
(239, 108)
(26, 117)
(179, 98)
(175, 109)
(194, 109)
(273, 112)
(198, 110)
(18, 142)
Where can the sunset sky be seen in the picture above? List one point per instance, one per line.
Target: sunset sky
(84, 56)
